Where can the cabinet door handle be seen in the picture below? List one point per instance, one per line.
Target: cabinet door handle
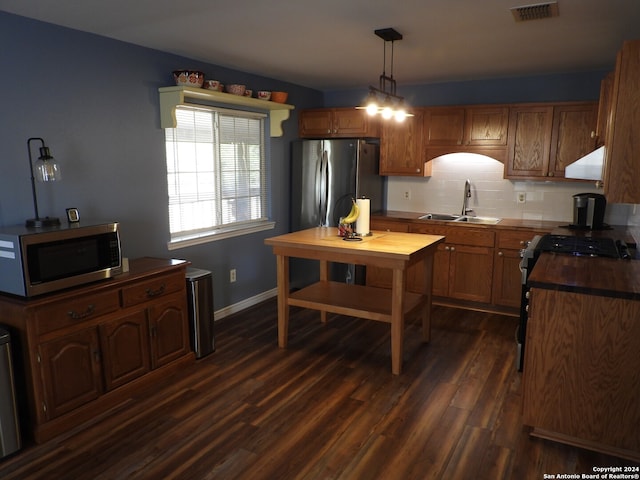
(155, 293)
(79, 316)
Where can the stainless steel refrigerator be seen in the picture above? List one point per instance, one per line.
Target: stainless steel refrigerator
(325, 176)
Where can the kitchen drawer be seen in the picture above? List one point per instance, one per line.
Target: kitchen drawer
(154, 288)
(70, 312)
(515, 239)
(389, 225)
(429, 229)
(475, 237)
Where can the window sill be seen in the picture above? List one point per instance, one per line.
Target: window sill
(189, 241)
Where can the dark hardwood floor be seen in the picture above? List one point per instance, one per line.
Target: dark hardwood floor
(325, 408)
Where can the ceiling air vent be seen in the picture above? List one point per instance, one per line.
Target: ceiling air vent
(535, 12)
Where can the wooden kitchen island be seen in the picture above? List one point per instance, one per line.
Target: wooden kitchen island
(581, 380)
(392, 250)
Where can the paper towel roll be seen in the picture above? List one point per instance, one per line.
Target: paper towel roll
(362, 222)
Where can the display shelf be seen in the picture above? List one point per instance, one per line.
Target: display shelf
(170, 97)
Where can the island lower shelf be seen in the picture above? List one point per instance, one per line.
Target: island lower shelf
(361, 301)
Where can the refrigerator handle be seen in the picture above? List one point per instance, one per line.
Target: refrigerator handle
(317, 191)
(324, 190)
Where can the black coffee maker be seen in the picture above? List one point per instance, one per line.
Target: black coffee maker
(588, 211)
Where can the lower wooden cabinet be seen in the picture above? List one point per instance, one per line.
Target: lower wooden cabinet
(70, 369)
(169, 337)
(479, 265)
(470, 273)
(580, 379)
(125, 348)
(463, 266)
(507, 278)
(86, 349)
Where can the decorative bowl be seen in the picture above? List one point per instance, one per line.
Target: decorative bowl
(236, 89)
(279, 97)
(264, 95)
(188, 78)
(248, 93)
(211, 85)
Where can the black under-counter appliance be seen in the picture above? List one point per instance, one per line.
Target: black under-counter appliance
(561, 244)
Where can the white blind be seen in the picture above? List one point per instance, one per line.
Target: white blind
(215, 171)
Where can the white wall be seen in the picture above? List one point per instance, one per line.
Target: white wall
(492, 195)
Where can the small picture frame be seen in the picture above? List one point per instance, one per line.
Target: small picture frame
(72, 215)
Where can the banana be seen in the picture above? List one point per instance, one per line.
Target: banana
(353, 213)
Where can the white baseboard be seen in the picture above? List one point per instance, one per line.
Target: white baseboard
(246, 303)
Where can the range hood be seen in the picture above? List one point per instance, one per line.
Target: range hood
(588, 167)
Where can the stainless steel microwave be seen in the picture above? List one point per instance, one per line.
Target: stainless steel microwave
(34, 261)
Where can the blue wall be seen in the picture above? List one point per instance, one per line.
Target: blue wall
(95, 102)
(542, 88)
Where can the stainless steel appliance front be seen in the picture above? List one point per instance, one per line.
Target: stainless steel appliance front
(35, 261)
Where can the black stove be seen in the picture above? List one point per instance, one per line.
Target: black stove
(579, 246)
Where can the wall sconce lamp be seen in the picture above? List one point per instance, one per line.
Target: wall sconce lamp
(46, 170)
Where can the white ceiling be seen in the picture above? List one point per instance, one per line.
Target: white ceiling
(330, 44)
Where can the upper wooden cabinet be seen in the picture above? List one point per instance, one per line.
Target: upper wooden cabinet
(572, 135)
(529, 141)
(444, 126)
(482, 126)
(604, 107)
(468, 129)
(544, 138)
(402, 146)
(622, 142)
(336, 123)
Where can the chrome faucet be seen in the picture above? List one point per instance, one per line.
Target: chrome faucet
(465, 199)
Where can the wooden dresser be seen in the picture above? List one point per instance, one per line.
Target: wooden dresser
(85, 350)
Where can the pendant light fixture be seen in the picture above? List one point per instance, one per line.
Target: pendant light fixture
(46, 170)
(383, 100)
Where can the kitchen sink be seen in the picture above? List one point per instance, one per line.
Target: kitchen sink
(439, 216)
(481, 220)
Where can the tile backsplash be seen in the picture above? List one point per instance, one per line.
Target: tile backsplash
(492, 195)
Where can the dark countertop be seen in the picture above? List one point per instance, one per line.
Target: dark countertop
(557, 228)
(505, 223)
(608, 277)
(595, 276)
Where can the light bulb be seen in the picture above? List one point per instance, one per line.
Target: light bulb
(47, 170)
(400, 115)
(372, 108)
(387, 113)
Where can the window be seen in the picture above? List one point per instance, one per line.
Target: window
(216, 174)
